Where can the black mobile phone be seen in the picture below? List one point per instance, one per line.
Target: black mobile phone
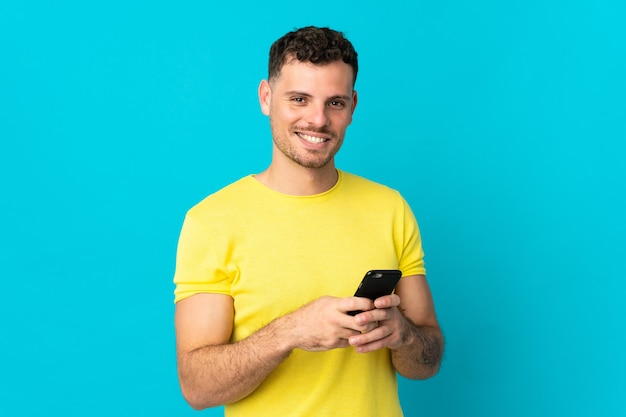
(376, 283)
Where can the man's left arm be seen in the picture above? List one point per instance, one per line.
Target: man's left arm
(407, 325)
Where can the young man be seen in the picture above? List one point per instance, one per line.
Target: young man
(266, 266)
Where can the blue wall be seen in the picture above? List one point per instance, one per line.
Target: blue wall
(501, 122)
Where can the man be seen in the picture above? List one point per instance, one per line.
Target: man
(266, 266)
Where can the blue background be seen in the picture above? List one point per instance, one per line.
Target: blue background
(502, 123)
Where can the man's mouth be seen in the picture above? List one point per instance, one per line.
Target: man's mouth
(311, 139)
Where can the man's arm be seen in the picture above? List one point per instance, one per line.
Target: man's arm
(408, 326)
(213, 371)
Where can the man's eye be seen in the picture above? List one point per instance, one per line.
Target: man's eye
(298, 99)
(335, 103)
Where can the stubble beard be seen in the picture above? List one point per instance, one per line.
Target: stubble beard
(307, 158)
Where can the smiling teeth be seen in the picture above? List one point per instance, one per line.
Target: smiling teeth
(312, 139)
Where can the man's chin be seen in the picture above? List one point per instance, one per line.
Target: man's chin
(313, 163)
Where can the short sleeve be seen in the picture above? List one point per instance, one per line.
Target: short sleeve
(198, 268)
(411, 254)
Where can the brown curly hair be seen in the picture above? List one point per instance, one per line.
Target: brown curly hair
(318, 46)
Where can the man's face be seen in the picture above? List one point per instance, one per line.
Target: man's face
(310, 107)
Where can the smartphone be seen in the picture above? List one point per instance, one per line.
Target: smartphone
(376, 283)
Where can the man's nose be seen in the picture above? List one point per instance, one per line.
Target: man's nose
(317, 115)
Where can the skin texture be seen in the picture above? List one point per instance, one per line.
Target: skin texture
(316, 103)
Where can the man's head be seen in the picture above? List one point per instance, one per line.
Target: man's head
(309, 96)
(319, 46)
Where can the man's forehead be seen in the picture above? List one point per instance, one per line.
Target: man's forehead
(298, 70)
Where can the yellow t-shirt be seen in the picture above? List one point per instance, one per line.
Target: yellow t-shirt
(274, 253)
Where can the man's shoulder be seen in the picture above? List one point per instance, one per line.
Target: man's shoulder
(361, 184)
(226, 197)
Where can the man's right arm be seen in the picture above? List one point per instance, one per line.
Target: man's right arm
(214, 372)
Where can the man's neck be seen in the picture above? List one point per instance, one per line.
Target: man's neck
(298, 180)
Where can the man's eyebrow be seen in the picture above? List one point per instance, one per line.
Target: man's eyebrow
(303, 94)
(297, 93)
(340, 97)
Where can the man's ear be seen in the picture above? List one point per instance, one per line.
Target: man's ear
(355, 98)
(265, 97)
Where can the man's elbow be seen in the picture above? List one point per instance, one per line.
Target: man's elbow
(425, 363)
(420, 372)
(197, 399)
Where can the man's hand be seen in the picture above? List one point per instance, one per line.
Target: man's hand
(407, 325)
(324, 324)
(389, 327)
